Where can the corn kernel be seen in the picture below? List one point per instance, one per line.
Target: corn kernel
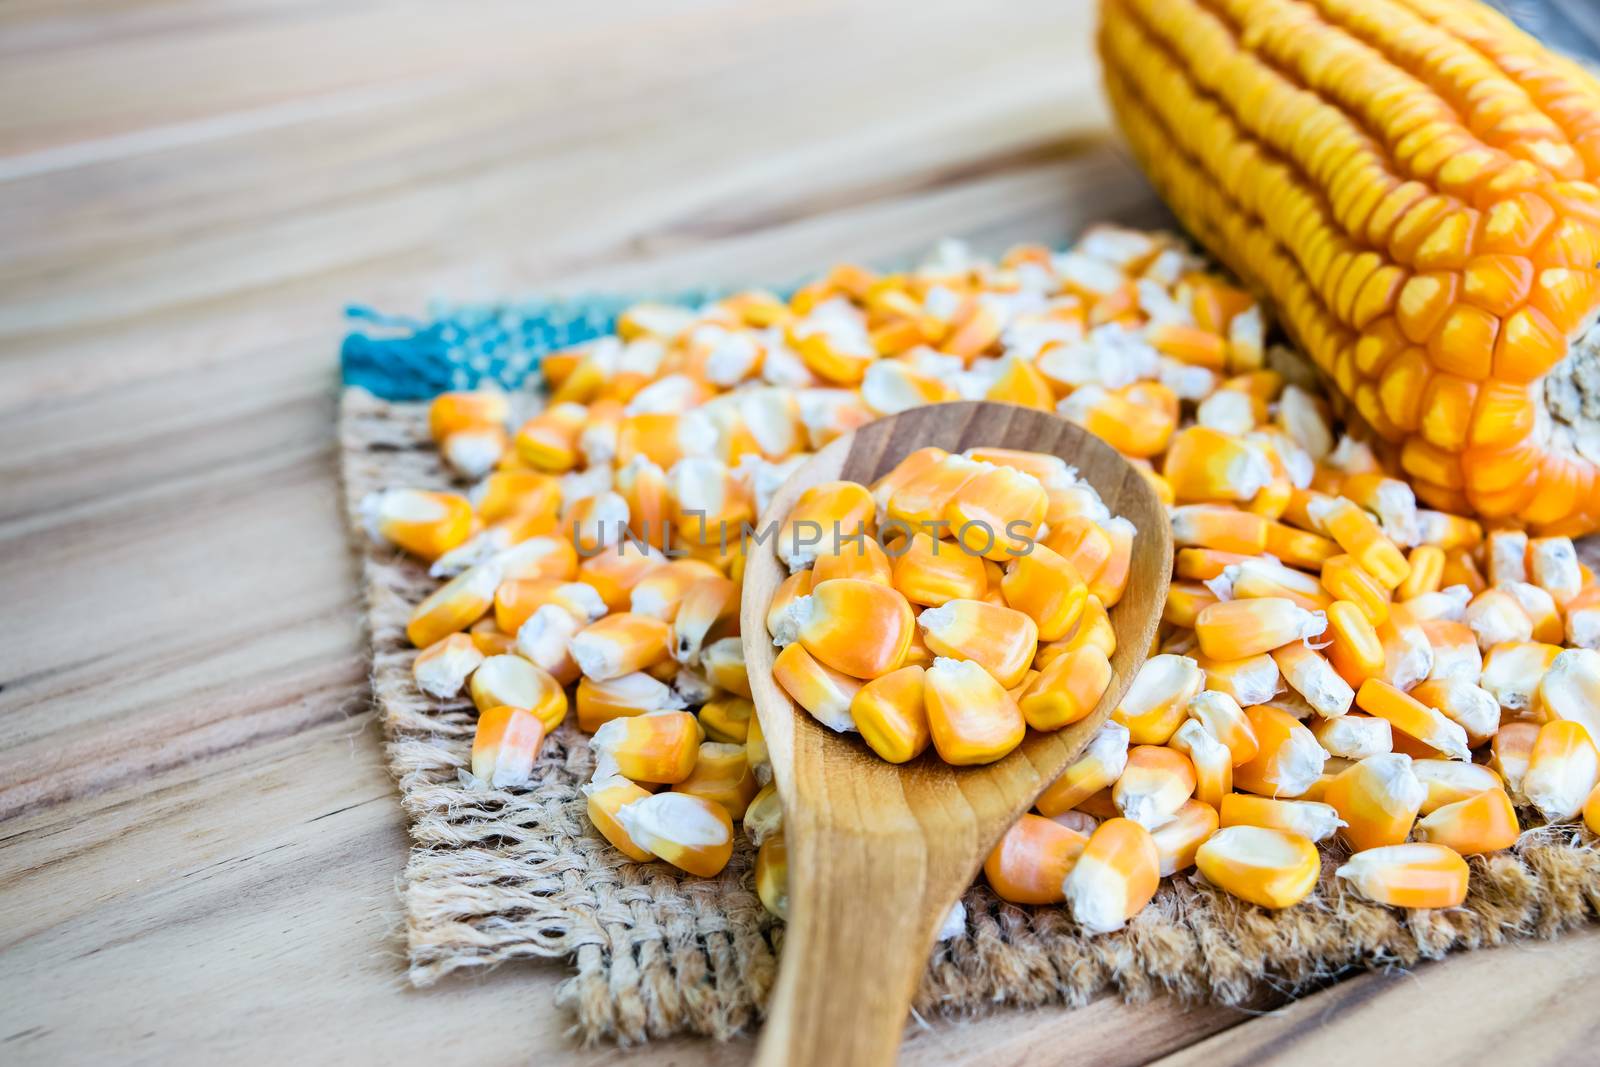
(1510, 751)
(1314, 678)
(424, 523)
(1221, 716)
(1098, 767)
(1310, 819)
(1032, 860)
(513, 681)
(1066, 690)
(1047, 588)
(1001, 640)
(1153, 785)
(970, 715)
(1378, 799)
(620, 644)
(1272, 868)
(1156, 703)
(605, 797)
(1235, 629)
(1180, 837)
(660, 748)
(632, 694)
(504, 747)
(891, 715)
(1289, 759)
(1411, 717)
(1251, 680)
(1562, 768)
(824, 692)
(930, 572)
(764, 817)
(707, 604)
(1211, 759)
(772, 875)
(1483, 823)
(721, 774)
(1354, 736)
(1115, 876)
(689, 832)
(1449, 781)
(442, 668)
(1415, 875)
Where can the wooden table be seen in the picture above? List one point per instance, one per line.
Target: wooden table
(200, 844)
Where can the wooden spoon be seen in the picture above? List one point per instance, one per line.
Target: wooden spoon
(879, 853)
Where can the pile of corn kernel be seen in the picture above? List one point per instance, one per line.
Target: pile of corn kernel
(911, 637)
(1333, 660)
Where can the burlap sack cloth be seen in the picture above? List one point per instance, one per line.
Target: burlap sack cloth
(495, 876)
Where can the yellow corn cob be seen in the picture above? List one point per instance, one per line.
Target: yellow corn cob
(821, 690)
(1434, 272)
(1221, 716)
(1288, 759)
(970, 715)
(1180, 837)
(1115, 876)
(1414, 875)
(689, 832)
(1378, 799)
(505, 745)
(512, 680)
(1562, 768)
(1066, 690)
(890, 713)
(442, 668)
(605, 797)
(1269, 867)
(1310, 819)
(1450, 781)
(1483, 823)
(1100, 765)
(1032, 860)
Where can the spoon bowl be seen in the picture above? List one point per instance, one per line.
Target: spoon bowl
(878, 852)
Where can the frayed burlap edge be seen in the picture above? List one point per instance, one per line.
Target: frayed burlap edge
(497, 875)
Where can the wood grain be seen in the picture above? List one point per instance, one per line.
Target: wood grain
(199, 850)
(880, 853)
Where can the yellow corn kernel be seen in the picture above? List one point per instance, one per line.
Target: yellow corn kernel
(1570, 689)
(1156, 703)
(1583, 619)
(1211, 759)
(1099, 805)
(891, 715)
(1411, 717)
(1314, 678)
(1250, 680)
(615, 571)
(1216, 526)
(708, 603)
(1506, 553)
(660, 592)
(971, 716)
(1046, 587)
(1513, 670)
(1449, 781)
(1407, 652)
(489, 639)
(505, 745)
(1001, 640)
(1235, 629)
(1272, 868)
(515, 601)
(455, 605)
(450, 413)
(1133, 428)
(722, 775)
(441, 669)
(1097, 768)
(1427, 567)
(1540, 607)
(996, 513)
(1288, 759)
(727, 718)
(862, 559)
(1154, 785)
(1414, 875)
(764, 817)
(689, 832)
(1354, 649)
(1204, 564)
(892, 386)
(1115, 876)
(1094, 628)
(1180, 837)
(1185, 602)
(1343, 577)
(755, 746)
(1299, 548)
(1562, 768)
(929, 572)
(1312, 820)
(1066, 690)
(1455, 650)
(632, 694)
(916, 463)
(1486, 822)
(424, 523)
(1032, 860)
(860, 628)
(540, 557)
(1553, 566)
(1258, 578)
(1461, 569)
(620, 644)
(823, 516)
(605, 797)
(1449, 532)
(1353, 736)
(821, 690)
(772, 875)
(545, 640)
(1378, 798)
(549, 440)
(789, 590)
(513, 681)
(1591, 811)
(723, 664)
(1360, 536)
(1494, 616)
(1203, 464)
(661, 747)
(504, 494)
(921, 500)
(1222, 717)
(1510, 752)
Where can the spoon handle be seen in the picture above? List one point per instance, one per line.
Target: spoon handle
(862, 919)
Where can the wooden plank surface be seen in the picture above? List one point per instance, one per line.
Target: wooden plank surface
(199, 844)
